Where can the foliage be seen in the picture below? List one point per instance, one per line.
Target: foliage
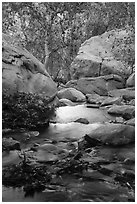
(63, 26)
(25, 110)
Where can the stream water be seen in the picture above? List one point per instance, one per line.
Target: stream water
(99, 187)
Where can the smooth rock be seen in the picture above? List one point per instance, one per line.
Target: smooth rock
(82, 120)
(49, 153)
(126, 111)
(65, 102)
(72, 94)
(112, 134)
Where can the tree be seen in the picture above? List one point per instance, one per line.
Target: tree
(54, 31)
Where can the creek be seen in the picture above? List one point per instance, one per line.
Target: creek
(89, 186)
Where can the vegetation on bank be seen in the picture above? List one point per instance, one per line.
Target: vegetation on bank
(25, 110)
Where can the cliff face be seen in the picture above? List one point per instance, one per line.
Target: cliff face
(25, 83)
(109, 53)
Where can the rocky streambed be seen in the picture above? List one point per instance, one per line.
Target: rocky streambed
(85, 155)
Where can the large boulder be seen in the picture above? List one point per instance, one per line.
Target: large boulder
(97, 85)
(71, 94)
(112, 134)
(27, 87)
(104, 54)
(22, 72)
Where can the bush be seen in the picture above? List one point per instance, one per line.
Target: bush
(25, 110)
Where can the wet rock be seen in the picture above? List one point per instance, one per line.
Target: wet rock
(65, 102)
(111, 101)
(130, 122)
(112, 134)
(10, 144)
(126, 111)
(131, 80)
(72, 94)
(50, 153)
(82, 120)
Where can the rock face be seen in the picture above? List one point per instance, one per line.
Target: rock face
(104, 54)
(71, 94)
(97, 85)
(131, 80)
(126, 111)
(22, 72)
(27, 88)
(112, 134)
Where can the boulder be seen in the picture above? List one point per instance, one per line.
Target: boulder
(112, 134)
(22, 72)
(10, 144)
(127, 93)
(65, 102)
(27, 88)
(95, 98)
(97, 85)
(82, 120)
(111, 101)
(131, 80)
(126, 111)
(71, 94)
(104, 55)
(130, 122)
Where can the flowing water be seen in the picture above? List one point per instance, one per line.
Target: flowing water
(99, 188)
